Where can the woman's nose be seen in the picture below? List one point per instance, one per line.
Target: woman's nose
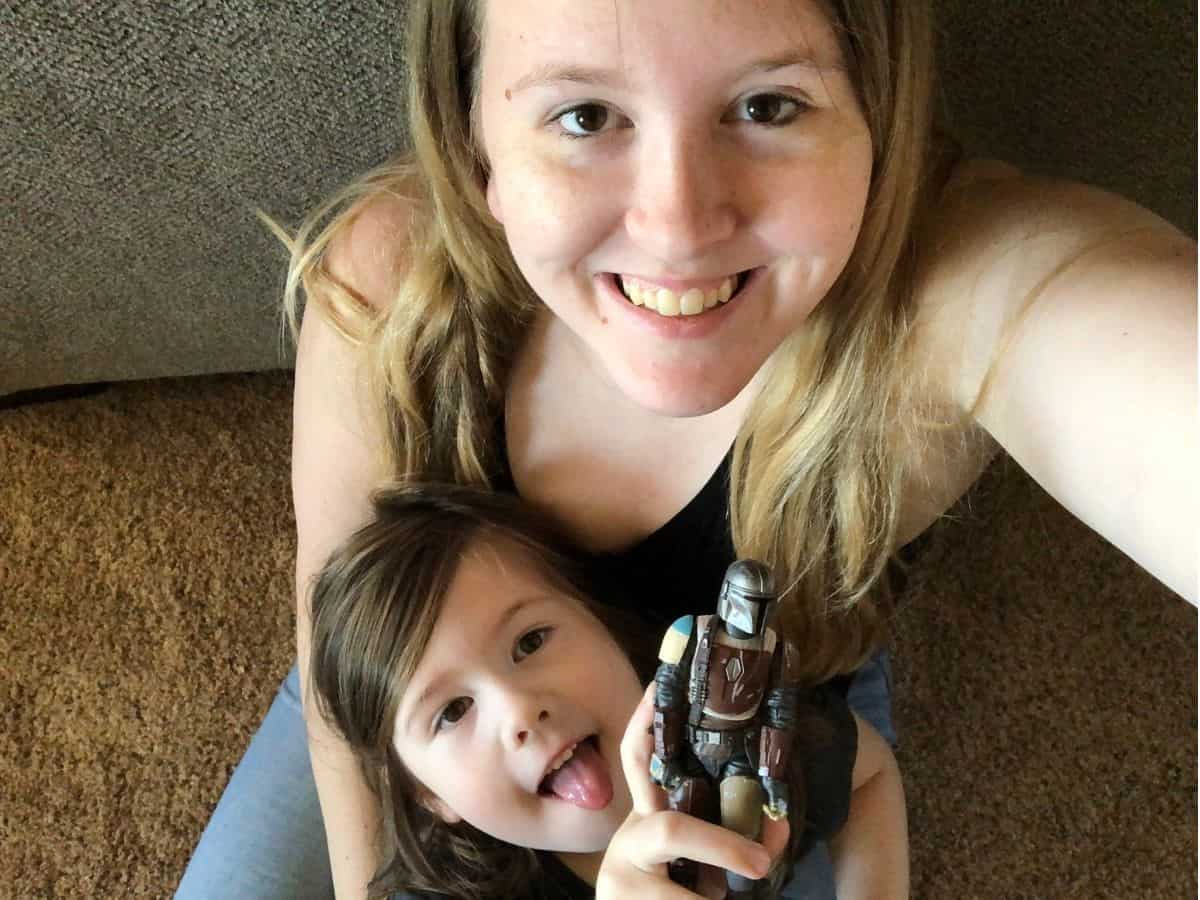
(683, 203)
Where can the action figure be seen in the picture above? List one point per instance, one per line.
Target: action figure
(724, 714)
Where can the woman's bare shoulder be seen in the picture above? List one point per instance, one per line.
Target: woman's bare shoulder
(997, 240)
(1062, 320)
(335, 448)
(989, 209)
(368, 256)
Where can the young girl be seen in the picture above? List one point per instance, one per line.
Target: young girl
(455, 650)
(700, 280)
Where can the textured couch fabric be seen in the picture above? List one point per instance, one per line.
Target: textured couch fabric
(139, 137)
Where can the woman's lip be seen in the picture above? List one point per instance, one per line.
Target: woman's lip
(682, 327)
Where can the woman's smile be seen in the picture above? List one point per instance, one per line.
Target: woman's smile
(676, 312)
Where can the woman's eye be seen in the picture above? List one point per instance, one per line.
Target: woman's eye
(530, 642)
(453, 711)
(585, 120)
(770, 109)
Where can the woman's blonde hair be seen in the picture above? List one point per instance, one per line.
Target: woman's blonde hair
(818, 467)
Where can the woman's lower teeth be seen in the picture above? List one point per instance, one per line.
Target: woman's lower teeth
(666, 302)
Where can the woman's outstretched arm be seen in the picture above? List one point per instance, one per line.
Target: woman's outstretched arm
(1072, 314)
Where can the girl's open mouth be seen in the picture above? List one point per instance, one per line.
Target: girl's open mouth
(583, 779)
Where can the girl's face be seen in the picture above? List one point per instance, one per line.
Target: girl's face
(514, 716)
(681, 181)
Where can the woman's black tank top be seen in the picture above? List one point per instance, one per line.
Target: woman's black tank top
(673, 572)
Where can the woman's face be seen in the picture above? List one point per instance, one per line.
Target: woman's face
(681, 181)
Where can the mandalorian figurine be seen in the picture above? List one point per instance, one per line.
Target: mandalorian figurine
(724, 714)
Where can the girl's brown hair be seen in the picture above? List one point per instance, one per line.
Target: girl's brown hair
(819, 464)
(374, 607)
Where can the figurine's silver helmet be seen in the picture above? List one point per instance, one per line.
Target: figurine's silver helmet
(747, 595)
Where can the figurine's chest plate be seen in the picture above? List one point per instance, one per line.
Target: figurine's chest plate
(737, 677)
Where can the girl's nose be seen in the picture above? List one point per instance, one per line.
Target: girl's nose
(526, 714)
(523, 729)
(683, 203)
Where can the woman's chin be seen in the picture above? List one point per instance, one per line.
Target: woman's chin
(679, 395)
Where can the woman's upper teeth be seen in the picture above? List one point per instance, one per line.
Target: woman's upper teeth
(667, 302)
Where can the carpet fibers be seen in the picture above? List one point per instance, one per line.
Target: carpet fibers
(1045, 687)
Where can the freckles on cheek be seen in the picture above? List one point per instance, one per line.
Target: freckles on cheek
(559, 207)
(834, 210)
(543, 194)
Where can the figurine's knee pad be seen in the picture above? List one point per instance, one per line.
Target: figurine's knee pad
(741, 805)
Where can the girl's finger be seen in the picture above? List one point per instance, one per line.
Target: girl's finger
(636, 747)
(664, 836)
(775, 837)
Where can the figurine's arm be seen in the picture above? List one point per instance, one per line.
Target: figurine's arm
(671, 701)
(779, 728)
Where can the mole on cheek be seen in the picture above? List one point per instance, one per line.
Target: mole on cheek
(507, 94)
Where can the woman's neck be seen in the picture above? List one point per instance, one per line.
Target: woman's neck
(578, 448)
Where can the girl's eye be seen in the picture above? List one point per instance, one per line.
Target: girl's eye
(770, 109)
(529, 643)
(585, 120)
(452, 712)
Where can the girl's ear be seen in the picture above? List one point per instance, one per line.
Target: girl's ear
(439, 809)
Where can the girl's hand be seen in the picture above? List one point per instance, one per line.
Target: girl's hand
(635, 864)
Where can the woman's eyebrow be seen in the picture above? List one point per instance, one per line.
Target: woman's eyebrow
(802, 57)
(550, 73)
(553, 72)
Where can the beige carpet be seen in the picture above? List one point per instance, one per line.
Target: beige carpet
(1046, 688)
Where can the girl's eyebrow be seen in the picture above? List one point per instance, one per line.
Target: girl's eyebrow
(552, 72)
(435, 683)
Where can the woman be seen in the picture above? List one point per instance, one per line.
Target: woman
(642, 247)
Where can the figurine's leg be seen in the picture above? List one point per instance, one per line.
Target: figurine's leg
(693, 796)
(742, 799)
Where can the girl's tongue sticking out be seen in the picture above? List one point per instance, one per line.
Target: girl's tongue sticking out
(583, 780)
